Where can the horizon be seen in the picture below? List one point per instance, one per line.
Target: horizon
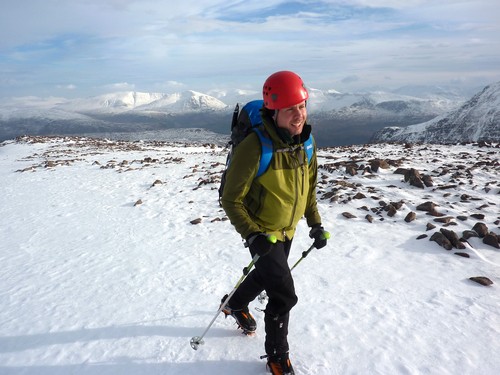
(88, 49)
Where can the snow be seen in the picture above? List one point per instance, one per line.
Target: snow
(92, 283)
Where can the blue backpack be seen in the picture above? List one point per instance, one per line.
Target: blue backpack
(244, 122)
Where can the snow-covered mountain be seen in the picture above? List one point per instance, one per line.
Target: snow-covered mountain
(186, 101)
(338, 118)
(477, 119)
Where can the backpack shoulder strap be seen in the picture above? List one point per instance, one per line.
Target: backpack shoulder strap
(309, 147)
(266, 151)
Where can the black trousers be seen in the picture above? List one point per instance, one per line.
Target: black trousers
(272, 274)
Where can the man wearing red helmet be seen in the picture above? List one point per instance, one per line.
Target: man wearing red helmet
(272, 205)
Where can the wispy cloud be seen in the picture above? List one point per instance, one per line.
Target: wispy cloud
(95, 43)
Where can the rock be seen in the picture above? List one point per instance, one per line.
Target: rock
(430, 226)
(378, 163)
(422, 236)
(413, 177)
(157, 182)
(411, 217)
(464, 255)
(445, 220)
(481, 229)
(435, 213)
(391, 210)
(477, 216)
(397, 205)
(483, 280)
(441, 240)
(453, 238)
(427, 206)
(427, 180)
(196, 221)
(492, 240)
(462, 217)
(466, 234)
(348, 215)
(369, 218)
(359, 196)
(138, 202)
(402, 171)
(351, 169)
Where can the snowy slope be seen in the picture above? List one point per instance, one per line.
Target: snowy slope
(94, 283)
(477, 119)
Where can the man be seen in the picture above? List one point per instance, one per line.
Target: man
(272, 205)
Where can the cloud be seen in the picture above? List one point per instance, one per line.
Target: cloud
(119, 86)
(202, 45)
(350, 79)
(67, 87)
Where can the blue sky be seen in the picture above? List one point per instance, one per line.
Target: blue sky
(88, 47)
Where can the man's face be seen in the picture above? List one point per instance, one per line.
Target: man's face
(292, 118)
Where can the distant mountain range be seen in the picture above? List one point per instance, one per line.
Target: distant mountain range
(337, 118)
(477, 119)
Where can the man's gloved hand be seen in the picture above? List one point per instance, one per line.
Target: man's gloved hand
(261, 243)
(320, 236)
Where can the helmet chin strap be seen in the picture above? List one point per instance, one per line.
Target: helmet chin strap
(275, 116)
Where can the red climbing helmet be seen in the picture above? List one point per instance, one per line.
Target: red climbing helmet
(283, 89)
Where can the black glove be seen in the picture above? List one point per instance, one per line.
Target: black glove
(260, 243)
(320, 236)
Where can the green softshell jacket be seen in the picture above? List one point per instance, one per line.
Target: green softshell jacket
(274, 202)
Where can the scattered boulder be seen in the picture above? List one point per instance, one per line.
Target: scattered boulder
(427, 180)
(430, 226)
(466, 234)
(348, 215)
(477, 216)
(359, 196)
(410, 217)
(483, 280)
(441, 240)
(378, 163)
(430, 208)
(196, 221)
(445, 220)
(369, 218)
(463, 255)
(492, 240)
(157, 182)
(138, 202)
(422, 236)
(453, 238)
(481, 229)
(412, 176)
(391, 210)
(351, 169)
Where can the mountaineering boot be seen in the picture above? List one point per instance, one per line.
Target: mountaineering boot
(242, 316)
(279, 364)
